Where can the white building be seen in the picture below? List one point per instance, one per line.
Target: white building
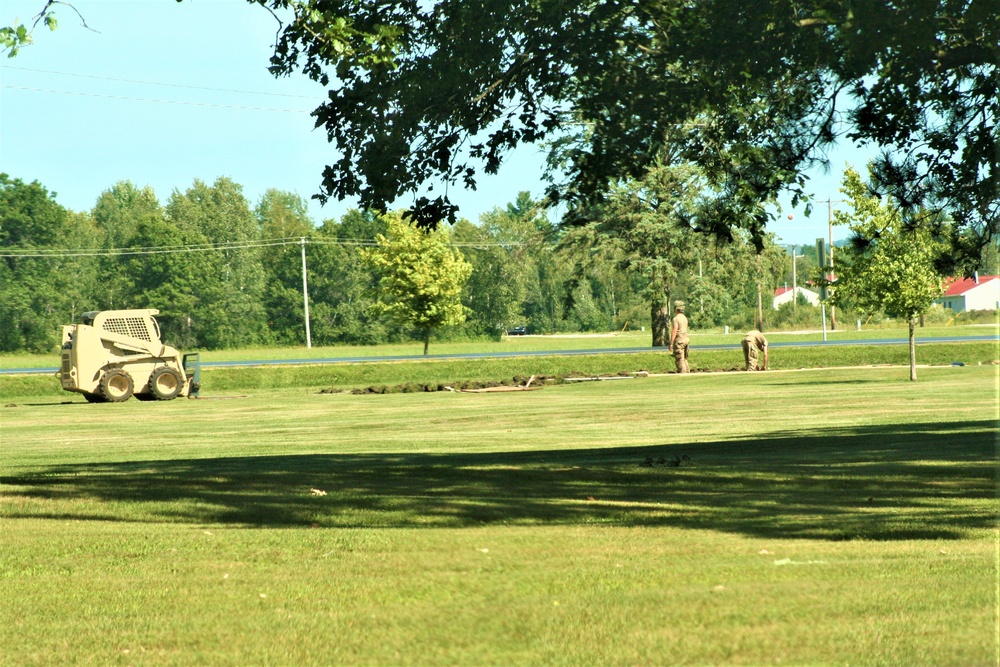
(786, 294)
(977, 293)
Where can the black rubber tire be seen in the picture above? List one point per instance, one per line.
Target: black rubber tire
(117, 386)
(165, 383)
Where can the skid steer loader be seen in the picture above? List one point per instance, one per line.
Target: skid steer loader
(117, 354)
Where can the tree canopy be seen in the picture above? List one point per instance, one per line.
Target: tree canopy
(428, 94)
(246, 288)
(37, 290)
(645, 226)
(420, 277)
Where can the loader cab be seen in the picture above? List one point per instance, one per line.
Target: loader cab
(116, 354)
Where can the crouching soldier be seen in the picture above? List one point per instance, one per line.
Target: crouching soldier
(753, 343)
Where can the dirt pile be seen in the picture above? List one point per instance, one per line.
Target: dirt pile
(517, 382)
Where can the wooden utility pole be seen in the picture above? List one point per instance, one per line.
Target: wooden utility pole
(760, 301)
(760, 310)
(305, 293)
(795, 287)
(829, 277)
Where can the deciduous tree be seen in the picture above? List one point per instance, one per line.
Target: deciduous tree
(891, 267)
(43, 282)
(342, 286)
(284, 219)
(505, 250)
(645, 226)
(420, 277)
(232, 271)
(753, 91)
(118, 213)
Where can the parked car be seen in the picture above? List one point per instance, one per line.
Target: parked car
(517, 331)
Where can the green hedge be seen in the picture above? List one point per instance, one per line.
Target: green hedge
(355, 375)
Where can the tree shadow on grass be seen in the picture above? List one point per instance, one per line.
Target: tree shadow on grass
(917, 481)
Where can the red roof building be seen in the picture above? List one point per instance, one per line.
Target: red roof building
(785, 295)
(976, 293)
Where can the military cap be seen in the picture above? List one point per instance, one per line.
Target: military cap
(679, 305)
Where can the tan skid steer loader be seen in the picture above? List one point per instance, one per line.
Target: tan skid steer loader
(116, 354)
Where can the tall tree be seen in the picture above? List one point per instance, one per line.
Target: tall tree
(177, 282)
(233, 273)
(42, 284)
(342, 287)
(752, 91)
(421, 277)
(891, 267)
(734, 280)
(118, 214)
(284, 219)
(505, 250)
(497, 287)
(645, 224)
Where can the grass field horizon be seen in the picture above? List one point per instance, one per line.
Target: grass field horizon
(809, 518)
(537, 343)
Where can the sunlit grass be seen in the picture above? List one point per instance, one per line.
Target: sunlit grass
(397, 375)
(814, 517)
(513, 344)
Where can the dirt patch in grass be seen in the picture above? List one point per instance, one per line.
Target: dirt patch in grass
(516, 382)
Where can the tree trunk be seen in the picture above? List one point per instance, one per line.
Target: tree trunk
(660, 317)
(760, 310)
(427, 340)
(913, 351)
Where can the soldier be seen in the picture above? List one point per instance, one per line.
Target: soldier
(679, 337)
(753, 342)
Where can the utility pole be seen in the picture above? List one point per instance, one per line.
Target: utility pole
(305, 292)
(795, 286)
(760, 304)
(829, 218)
(760, 310)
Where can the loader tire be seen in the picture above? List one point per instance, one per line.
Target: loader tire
(116, 386)
(165, 383)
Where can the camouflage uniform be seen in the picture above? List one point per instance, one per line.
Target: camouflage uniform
(679, 338)
(753, 342)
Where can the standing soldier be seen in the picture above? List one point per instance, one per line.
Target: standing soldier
(679, 337)
(753, 342)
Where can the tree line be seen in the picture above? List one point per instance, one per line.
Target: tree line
(226, 274)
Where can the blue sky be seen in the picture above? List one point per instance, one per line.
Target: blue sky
(162, 93)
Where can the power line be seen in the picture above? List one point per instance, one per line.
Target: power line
(61, 253)
(56, 253)
(157, 83)
(156, 101)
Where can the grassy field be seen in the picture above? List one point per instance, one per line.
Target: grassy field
(412, 374)
(812, 517)
(627, 339)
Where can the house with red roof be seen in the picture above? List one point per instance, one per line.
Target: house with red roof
(976, 293)
(786, 294)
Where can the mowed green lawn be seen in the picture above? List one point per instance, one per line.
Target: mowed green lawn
(529, 344)
(813, 517)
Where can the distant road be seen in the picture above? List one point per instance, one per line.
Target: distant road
(541, 353)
